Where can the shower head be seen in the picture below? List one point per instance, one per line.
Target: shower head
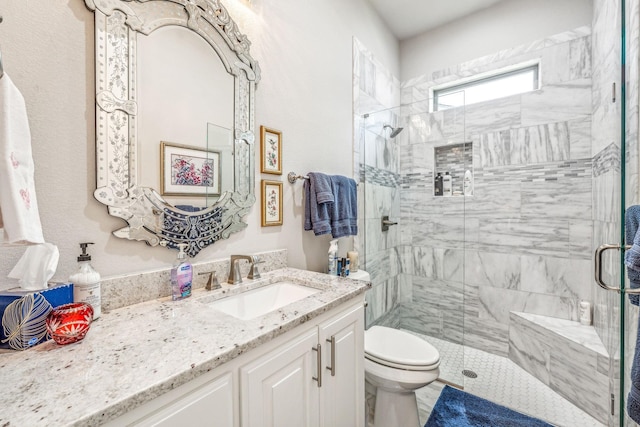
(394, 131)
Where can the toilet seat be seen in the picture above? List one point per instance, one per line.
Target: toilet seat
(399, 349)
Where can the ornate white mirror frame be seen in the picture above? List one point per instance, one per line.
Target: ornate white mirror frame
(149, 217)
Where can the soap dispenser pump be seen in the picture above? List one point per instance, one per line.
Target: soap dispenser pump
(181, 275)
(86, 282)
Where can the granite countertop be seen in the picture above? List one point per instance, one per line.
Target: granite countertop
(136, 353)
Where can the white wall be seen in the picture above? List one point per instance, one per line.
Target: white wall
(304, 48)
(508, 23)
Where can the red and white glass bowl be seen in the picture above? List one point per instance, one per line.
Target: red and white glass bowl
(69, 323)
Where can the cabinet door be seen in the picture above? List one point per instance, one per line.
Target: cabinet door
(342, 395)
(209, 405)
(278, 389)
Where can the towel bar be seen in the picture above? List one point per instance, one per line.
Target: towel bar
(293, 177)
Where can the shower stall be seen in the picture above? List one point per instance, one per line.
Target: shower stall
(503, 262)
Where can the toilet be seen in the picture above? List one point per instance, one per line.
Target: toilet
(396, 364)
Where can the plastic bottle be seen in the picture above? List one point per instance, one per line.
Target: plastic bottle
(181, 275)
(86, 282)
(437, 190)
(447, 185)
(333, 254)
(468, 183)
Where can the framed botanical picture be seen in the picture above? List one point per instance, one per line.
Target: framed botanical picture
(189, 171)
(271, 203)
(270, 151)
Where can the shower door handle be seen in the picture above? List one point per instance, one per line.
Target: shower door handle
(598, 268)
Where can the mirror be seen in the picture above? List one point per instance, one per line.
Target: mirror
(158, 110)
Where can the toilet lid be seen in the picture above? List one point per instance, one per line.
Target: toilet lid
(397, 348)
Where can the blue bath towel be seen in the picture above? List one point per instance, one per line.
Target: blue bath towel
(344, 209)
(633, 398)
(318, 196)
(632, 256)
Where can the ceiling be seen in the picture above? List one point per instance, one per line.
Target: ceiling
(408, 18)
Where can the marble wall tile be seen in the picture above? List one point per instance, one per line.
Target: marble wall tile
(440, 232)
(500, 270)
(529, 348)
(416, 158)
(405, 288)
(438, 263)
(497, 303)
(382, 265)
(580, 138)
(524, 235)
(566, 61)
(492, 116)
(576, 380)
(553, 103)
(381, 200)
(491, 196)
(571, 278)
(376, 303)
(562, 198)
(487, 335)
(421, 319)
(606, 197)
(580, 238)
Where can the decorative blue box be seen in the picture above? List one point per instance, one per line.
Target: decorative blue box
(56, 295)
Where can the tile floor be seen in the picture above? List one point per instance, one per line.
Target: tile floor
(501, 381)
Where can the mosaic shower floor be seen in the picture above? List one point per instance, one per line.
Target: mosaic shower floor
(501, 381)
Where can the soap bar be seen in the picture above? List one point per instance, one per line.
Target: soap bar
(56, 295)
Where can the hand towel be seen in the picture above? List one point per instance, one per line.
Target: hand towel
(318, 195)
(632, 255)
(19, 216)
(344, 209)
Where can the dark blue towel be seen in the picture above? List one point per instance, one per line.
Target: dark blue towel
(456, 408)
(317, 200)
(632, 256)
(344, 209)
(633, 398)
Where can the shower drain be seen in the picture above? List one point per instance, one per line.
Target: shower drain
(469, 373)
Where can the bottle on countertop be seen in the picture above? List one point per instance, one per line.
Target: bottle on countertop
(447, 185)
(332, 267)
(86, 282)
(181, 275)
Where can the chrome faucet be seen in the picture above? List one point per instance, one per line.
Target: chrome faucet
(235, 276)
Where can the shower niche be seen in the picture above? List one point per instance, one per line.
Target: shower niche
(453, 170)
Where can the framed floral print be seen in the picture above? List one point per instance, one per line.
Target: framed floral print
(189, 171)
(271, 203)
(270, 151)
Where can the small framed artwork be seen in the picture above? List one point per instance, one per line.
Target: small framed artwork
(189, 171)
(270, 151)
(271, 203)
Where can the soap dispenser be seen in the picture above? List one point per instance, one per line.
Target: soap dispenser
(181, 275)
(86, 282)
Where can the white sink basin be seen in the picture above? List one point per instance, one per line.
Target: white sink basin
(251, 304)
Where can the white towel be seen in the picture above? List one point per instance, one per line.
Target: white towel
(19, 216)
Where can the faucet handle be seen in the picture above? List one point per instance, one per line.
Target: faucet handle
(212, 283)
(254, 273)
(235, 276)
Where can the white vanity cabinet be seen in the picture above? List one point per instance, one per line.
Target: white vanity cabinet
(316, 379)
(209, 400)
(282, 383)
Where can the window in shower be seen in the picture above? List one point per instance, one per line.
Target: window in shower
(487, 88)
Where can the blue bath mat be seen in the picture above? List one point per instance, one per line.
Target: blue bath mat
(455, 408)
